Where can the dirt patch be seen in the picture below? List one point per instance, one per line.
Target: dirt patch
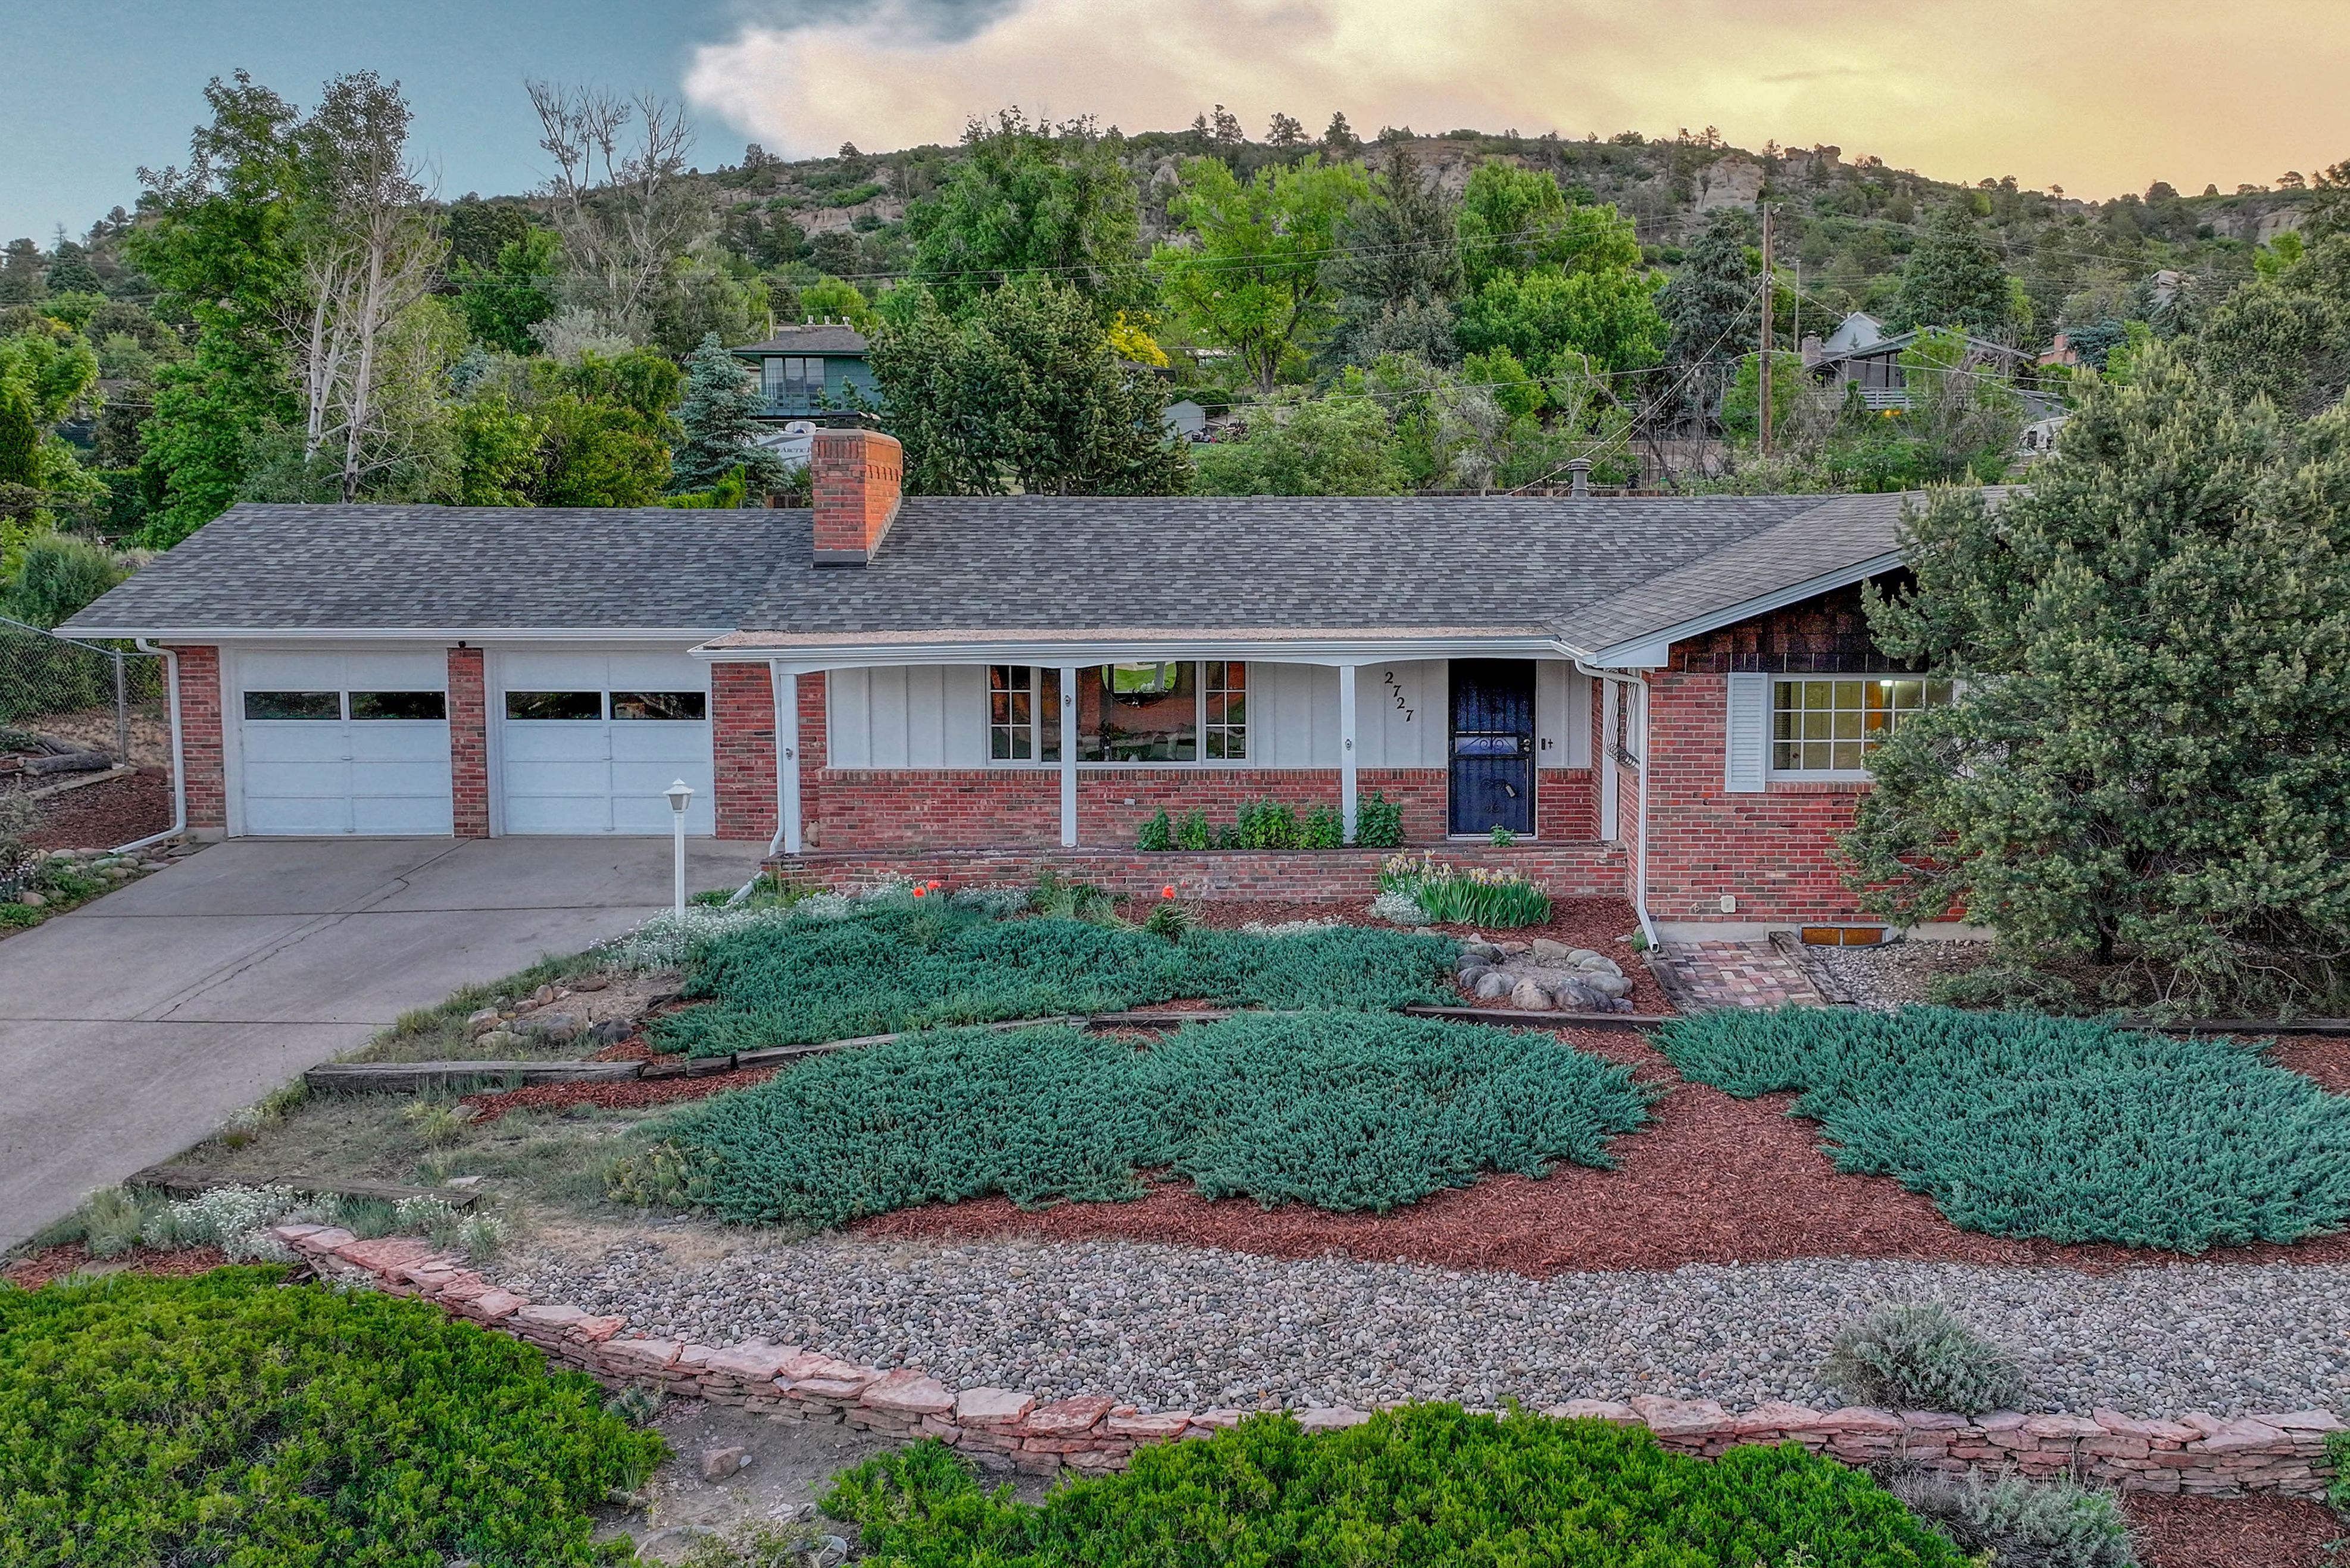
(2324, 1057)
(36, 1268)
(1603, 924)
(2233, 1532)
(102, 815)
(628, 1094)
(1712, 1180)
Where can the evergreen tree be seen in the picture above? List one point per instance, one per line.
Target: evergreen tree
(1713, 307)
(1025, 395)
(1397, 270)
(720, 396)
(2285, 336)
(1954, 278)
(2147, 762)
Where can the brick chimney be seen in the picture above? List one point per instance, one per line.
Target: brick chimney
(856, 474)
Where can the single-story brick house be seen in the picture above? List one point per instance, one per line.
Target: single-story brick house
(1667, 698)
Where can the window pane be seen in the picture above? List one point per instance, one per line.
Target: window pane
(1139, 713)
(1226, 702)
(294, 705)
(572, 705)
(670, 705)
(1048, 714)
(399, 705)
(1848, 723)
(1847, 755)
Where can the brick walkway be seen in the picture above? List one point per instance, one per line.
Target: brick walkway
(1741, 974)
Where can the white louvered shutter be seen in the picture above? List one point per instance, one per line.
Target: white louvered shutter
(1747, 734)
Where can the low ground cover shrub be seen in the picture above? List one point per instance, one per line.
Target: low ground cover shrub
(2023, 1524)
(1920, 1357)
(2070, 1129)
(1341, 1110)
(2337, 1453)
(1258, 825)
(885, 966)
(1425, 1485)
(1449, 896)
(230, 1418)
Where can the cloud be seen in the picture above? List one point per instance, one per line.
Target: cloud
(2096, 95)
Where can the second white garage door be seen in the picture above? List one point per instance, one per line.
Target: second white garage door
(587, 742)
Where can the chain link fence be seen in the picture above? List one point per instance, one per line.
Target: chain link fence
(75, 719)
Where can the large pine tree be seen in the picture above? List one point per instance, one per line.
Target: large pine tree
(1714, 306)
(2147, 765)
(1954, 278)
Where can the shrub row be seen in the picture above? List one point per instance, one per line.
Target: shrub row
(2070, 1129)
(1276, 824)
(231, 1418)
(1341, 1110)
(1425, 1485)
(882, 966)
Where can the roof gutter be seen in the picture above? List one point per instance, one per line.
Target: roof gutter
(179, 770)
(216, 634)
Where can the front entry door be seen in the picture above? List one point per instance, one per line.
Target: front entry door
(1493, 783)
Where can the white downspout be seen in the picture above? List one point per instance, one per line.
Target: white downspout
(1636, 691)
(179, 761)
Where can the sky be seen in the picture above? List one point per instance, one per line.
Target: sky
(2099, 97)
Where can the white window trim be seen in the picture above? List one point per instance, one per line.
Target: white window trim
(1068, 705)
(1772, 771)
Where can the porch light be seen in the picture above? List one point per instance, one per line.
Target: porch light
(680, 795)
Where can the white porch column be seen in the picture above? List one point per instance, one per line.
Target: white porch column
(1347, 747)
(1068, 756)
(786, 681)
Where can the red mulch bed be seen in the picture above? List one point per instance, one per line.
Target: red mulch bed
(38, 1268)
(99, 816)
(2234, 1532)
(1711, 1179)
(628, 1094)
(2324, 1057)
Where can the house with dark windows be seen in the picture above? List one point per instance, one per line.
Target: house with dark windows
(1672, 698)
(814, 368)
(1861, 353)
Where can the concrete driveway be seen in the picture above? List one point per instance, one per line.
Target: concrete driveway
(131, 1026)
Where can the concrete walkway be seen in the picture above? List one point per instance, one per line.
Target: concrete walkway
(131, 1026)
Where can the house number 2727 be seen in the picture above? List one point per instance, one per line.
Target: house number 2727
(1395, 686)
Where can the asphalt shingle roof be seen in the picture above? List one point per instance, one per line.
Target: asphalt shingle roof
(1593, 573)
(1049, 566)
(822, 337)
(576, 569)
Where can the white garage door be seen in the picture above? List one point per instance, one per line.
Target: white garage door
(587, 742)
(344, 743)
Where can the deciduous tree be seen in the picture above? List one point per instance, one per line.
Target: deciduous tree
(1250, 276)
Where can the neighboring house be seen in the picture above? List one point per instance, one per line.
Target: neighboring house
(1860, 352)
(1186, 419)
(2039, 437)
(1666, 698)
(809, 369)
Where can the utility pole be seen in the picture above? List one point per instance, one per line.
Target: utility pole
(1767, 290)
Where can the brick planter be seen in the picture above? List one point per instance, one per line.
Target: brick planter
(1570, 871)
(1001, 1428)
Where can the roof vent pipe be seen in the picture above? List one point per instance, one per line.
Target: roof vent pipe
(1580, 467)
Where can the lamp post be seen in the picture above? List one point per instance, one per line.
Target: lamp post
(680, 795)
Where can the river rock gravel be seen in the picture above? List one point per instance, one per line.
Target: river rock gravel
(1185, 1328)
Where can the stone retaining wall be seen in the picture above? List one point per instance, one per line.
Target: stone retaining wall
(1000, 1429)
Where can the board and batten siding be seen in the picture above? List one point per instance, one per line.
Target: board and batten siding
(935, 716)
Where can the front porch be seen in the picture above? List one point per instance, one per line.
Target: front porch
(1297, 876)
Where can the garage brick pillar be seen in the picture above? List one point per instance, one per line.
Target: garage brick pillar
(469, 745)
(201, 761)
(857, 476)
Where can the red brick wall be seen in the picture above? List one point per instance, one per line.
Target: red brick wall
(1829, 632)
(1775, 851)
(1566, 804)
(207, 781)
(1575, 870)
(469, 745)
(743, 741)
(856, 477)
(917, 808)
